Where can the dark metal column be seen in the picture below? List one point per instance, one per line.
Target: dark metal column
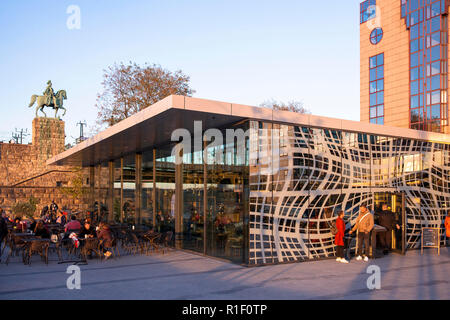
(111, 190)
(91, 187)
(179, 203)
(205, 194)
(138, 190)
(154, 189)
(99, 191)
(121, 190)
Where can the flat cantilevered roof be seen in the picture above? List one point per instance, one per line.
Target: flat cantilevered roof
(153, 127)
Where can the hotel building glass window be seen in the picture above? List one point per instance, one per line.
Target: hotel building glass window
(427, 24)
(376, 87)
(376, 35)
(367, 10)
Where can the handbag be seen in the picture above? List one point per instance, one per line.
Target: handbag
(333, 228)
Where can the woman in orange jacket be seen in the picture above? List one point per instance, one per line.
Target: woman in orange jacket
(447, 226)
(339, 238)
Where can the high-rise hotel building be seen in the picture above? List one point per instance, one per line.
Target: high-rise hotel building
(404, 63)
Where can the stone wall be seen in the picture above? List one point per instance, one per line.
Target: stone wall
(24, 173)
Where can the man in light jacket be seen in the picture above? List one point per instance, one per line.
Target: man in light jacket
(364, 224)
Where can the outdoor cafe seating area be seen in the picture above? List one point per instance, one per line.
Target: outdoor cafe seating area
(23, 246)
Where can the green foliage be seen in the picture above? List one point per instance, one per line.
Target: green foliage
(76, 189)
(293, 106)
(27, 209)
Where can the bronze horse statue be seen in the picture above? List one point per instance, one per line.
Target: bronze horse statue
(57, 104)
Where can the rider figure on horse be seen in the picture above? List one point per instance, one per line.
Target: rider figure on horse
(49, 99)
(49, 93)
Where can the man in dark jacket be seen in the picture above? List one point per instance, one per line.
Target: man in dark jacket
(387, 219)
(3, 229)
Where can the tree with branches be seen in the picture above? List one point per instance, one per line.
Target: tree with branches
(294, 106)
(130, 88)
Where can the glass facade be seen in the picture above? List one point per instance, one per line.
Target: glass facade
(147, 213)
(227, 200)
(117, 193)
(165, 189)
(129, 189)
(376, 87)
(193, 201)
(428, 24)
(213, 195)
(273, 199)
(367, 10)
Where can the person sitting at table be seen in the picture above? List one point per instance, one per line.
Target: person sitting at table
(61, 220)
(105, 236)
(19, 224)
(88, 230)
(41, 230)
(73, 226)
(89, 220)
(33, 224)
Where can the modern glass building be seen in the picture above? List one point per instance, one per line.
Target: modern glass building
(404, 63)
(259, 186)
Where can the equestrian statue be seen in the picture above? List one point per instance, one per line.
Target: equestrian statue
(50, 100)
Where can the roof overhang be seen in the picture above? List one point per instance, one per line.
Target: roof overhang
(153, 127)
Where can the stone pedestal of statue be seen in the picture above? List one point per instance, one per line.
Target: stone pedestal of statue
(48, 137)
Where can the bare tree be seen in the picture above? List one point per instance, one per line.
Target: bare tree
(294, 106)
(131, 88)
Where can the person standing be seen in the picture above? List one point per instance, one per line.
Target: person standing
(159, 221)
(364, 225)
(53, 211)
(339, 237)
(387, 220)
(447, 227)
(3, 229)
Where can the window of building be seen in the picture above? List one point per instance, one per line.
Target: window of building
(376, 88)
(367, 10)
(427, 25)
(376, 35)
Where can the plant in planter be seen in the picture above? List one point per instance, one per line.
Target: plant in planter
(26, 208)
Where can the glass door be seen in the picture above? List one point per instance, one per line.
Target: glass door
(395, 203)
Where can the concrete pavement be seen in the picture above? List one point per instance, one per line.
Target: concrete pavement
(180, 275)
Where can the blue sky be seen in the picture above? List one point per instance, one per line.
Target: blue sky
(236, 51)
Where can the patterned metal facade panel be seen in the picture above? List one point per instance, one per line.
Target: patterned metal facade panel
(301, 176)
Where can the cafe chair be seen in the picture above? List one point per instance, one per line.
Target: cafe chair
(16, 245)
(91, 245)
(36, 247)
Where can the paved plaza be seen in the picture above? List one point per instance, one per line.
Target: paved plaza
(182, 275)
